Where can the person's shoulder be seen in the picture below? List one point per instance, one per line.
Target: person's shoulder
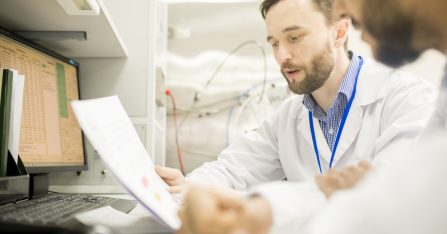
(403, 80)
(373, 75)
(391, 78)
(373, 68)
(377, 81)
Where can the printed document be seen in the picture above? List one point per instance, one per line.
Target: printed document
(110, 131)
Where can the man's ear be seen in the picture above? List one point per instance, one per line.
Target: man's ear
(341, 31)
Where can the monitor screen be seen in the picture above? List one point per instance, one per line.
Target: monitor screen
(50, 137)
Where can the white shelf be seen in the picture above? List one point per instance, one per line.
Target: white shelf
(103, 40)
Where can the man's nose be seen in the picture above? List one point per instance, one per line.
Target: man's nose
(284, 55)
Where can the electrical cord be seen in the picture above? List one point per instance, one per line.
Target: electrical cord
(212, 77)
(241, 109)
(242, 100)
(219, 67)
(217, 70)
(249, 96)
(174, 114)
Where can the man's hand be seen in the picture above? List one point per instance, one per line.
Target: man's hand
(172, 177)
(335, 180)
(212, 210)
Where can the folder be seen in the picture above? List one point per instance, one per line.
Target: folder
(5, 114)
(15, 120)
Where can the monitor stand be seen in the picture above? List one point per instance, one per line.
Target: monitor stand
(39, 184)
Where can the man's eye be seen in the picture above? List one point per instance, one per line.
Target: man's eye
(295, 38)
(276, 44)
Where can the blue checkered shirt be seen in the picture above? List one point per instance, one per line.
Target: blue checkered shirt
(330, 122)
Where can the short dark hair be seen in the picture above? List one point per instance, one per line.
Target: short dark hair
(325, 6)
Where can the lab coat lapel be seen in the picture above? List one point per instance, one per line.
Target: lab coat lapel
(350, 131)
(370, 88)
(304, 129)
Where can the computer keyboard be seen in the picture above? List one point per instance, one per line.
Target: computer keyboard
(57, 209)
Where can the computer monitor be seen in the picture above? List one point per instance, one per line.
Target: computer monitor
(51, 139)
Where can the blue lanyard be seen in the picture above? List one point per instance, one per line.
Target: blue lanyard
(342, 124)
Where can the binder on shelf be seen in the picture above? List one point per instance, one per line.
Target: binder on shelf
(14, 180)
(5, 114)
(15, 120)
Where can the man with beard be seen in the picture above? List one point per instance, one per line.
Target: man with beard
(349, 108)
(408, 195)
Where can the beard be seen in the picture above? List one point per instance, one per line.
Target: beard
(393, 31)
(315, 75)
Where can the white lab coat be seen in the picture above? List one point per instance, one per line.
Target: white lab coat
(389, 108)
(408, 195)
(439, 118)
(405, 195)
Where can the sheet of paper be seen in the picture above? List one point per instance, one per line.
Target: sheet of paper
(110, 131)
(126, 223)
(18, 85)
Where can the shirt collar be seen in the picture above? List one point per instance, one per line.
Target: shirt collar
(346, 87)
